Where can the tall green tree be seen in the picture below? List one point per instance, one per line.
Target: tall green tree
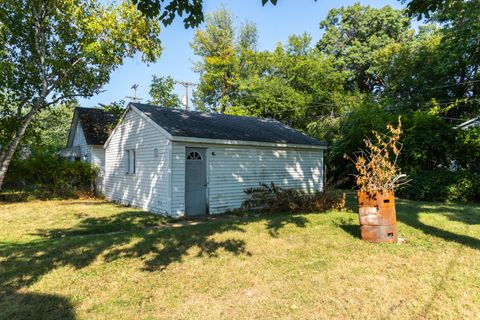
(353, 35)
(294, 84)
(413, 71)
(460, 51)
(428, 8)
(218, 67)
(439, 63)
(63, 49)
(226, 56)
(49, 130)
(162, 92)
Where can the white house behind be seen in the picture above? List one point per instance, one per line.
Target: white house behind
(89, 131)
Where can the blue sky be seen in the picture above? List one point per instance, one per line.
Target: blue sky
(274, 23)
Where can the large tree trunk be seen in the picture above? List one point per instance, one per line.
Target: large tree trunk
(7, 155)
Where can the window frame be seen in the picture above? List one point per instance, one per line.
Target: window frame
(131, 162)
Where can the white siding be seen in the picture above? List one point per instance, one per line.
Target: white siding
(178, 179)
(98, 159)
(98, 156)
(95, 154)
(80, 141)
(235, 168)
(148, 187)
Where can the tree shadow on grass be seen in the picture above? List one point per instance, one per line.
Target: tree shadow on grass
(36, 306)
(161, 247)
(352, 229)
(126, 221)
(127, 235)
(467, 214)
(409, 213)
(277, 222)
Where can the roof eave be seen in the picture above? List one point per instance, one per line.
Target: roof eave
(71, 132)
(247, 143)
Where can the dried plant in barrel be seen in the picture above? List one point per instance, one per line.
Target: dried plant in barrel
(376, 178)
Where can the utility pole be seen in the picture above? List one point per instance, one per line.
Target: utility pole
(134, 98)
(186, 84)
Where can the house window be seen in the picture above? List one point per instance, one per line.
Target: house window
(194, 155)
(131, 165)
(155, 153)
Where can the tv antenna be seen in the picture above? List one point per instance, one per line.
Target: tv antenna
(134, 98)
(186, 84)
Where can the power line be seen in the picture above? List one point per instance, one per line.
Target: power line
(410, 92)
(460, 100)
(454, 84)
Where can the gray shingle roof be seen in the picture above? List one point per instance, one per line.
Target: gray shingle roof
(225, 127)
(96, 124)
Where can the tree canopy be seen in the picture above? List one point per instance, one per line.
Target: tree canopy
(167, 10)
(63, 50)
(162, 92)
(369, 67)
(355, 34)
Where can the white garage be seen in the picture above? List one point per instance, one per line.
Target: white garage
(180, 163)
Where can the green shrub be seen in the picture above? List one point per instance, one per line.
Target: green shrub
(353, 128)
(442, 185)
(48, 174)
(467, 152)
(270, 198)
(466, 187)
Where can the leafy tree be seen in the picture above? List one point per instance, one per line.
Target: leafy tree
(428, 141)
(64, 49)
(353, 36)
(363, 117)
(247, 48)
(439, 160)
(460, 51)
(440, 63)
(48, 132)
(116, 108)
(467, 150)
(167, 10)
(294, 84)
(413, 71)
(427, 8)
(220, 51)
(162, 92)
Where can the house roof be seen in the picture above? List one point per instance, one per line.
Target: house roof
(224, 127)
(96, 124)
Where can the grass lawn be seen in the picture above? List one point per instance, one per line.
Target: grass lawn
(88, 259)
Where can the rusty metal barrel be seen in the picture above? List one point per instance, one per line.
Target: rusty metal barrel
(378, 218)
